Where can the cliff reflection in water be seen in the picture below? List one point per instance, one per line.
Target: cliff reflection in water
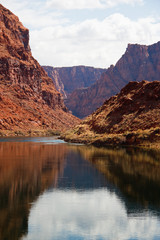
(26, 170)
(85, 192)
(135, 172)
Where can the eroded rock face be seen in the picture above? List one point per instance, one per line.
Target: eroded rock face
(67, 79)
(139, 63)
(137, 106)
(28, 97)
(131, 117)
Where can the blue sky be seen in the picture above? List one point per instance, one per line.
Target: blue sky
(87, 32)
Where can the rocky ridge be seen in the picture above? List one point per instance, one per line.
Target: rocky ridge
(130, 117)
(139, 63)
(28, 98)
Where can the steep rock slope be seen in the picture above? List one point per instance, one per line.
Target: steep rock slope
(28, 98)
(67, 79)
(135, 108)
(139, 63)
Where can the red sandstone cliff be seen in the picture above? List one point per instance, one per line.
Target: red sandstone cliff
(67, 79)
(28, 98)
(139, 63)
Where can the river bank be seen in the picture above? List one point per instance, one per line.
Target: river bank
(146, 139)
(29, 133)
(149, 138)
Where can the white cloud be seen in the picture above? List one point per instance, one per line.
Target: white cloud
(34, 15)
(92, 42)
(96, 214)
(89, 4)
(56, 40)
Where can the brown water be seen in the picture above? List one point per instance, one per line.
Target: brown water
(52, 190)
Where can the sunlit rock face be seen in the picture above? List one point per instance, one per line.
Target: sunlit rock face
(139, 63)
(133, 115)
(137, 106)
(28, 98)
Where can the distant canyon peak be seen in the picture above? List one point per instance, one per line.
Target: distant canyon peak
(139, 62)
(67, 79)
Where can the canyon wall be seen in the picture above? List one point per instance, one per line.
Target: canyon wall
(28, 97)
(67, 79)
(139, 63)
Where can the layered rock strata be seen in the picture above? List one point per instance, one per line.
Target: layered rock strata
(139, 63)
(28, 98)
(67, 79)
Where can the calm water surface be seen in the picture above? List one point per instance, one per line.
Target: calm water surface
(50, 190)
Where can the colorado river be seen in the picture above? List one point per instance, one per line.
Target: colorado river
(50, 190)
